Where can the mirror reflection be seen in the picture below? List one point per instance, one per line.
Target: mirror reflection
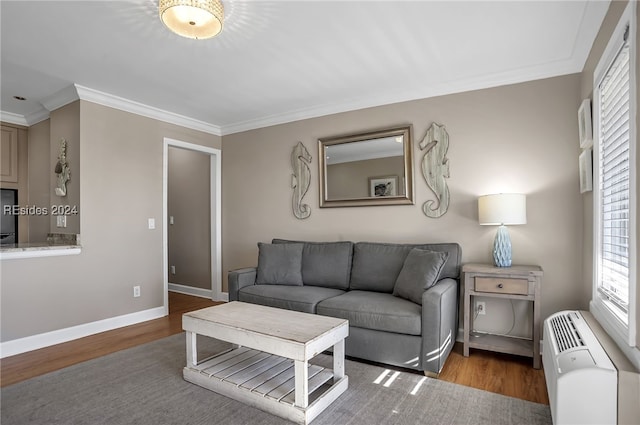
(372, 168)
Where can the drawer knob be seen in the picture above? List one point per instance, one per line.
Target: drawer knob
(500, 285)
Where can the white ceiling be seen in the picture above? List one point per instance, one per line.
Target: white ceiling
(383, 147)
(280, 61)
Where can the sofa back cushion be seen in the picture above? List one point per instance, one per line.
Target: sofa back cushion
(376, 266)
(279, 264)
(326, 264)
(453, 264)
(421, 270)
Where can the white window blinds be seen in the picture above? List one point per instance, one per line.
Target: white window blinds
(614, 116)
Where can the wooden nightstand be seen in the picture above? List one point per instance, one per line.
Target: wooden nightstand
(512, 283)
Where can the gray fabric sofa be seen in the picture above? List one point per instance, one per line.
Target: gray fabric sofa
(378, 287)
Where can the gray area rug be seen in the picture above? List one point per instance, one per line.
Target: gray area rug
(144, 385)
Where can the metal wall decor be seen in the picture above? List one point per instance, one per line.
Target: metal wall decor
(435, 168)
(62, 170)
(300, 180)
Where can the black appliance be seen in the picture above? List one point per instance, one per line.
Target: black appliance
(8, 220)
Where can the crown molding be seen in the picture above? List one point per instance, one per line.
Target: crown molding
(313, 112)
(60, 98)
(36, 117)
(349, 106)
(75, 92)
(116, 102)
(419, 92)
(24, 120)
(11, 118)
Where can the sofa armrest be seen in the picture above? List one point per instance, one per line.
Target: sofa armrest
(439, 324)
(240, 278)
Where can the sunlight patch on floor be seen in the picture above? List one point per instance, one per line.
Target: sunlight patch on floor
(391, 377)
(382, 376)
(418, 385)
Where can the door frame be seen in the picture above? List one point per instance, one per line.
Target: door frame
(216, 216)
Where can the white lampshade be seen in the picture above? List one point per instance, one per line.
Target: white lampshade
(502, 208)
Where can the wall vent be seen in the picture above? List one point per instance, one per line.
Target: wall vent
(565, 333)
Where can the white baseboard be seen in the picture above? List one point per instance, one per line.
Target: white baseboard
(191, 290)
(34, 342)
(197, 292)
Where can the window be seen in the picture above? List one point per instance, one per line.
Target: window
(614, 189)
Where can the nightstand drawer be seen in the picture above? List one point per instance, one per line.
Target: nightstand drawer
(502, 286)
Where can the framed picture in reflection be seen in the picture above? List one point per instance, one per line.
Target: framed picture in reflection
(383, 186)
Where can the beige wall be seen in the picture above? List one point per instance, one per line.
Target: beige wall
(518, 138)
(616, 9)
(189, 202)
(65, 124)
(121, 175)
(40, 175)
(350, 180)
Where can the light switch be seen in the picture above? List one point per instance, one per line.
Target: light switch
(170, 219)
(152, 223)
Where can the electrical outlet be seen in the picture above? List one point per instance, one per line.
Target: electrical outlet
(136, 291)
(173, 269)
(61, 221)
(481, 308)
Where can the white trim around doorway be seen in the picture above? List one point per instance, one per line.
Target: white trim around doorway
(216, 216)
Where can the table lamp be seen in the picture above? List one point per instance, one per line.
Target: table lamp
(502, 209)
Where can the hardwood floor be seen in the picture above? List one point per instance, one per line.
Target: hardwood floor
(505, 374)
(499, 373)
(38, 362)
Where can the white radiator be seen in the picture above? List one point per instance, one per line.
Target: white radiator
(581, 380)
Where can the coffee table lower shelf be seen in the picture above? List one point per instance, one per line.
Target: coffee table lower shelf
(267, 382)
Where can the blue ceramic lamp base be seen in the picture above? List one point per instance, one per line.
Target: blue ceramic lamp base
(502, 248)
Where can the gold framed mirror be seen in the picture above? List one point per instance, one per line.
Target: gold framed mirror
(367, 169)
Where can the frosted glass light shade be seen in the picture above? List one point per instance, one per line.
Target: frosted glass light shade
(502, 208)
(197, 19)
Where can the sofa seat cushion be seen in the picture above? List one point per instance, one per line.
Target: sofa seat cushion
(375, 310)
(298, 298)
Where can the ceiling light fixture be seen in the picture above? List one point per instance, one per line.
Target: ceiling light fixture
(197, 19)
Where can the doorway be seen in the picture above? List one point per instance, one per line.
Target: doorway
(212, 233)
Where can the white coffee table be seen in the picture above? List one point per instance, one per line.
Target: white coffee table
(269, 365)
